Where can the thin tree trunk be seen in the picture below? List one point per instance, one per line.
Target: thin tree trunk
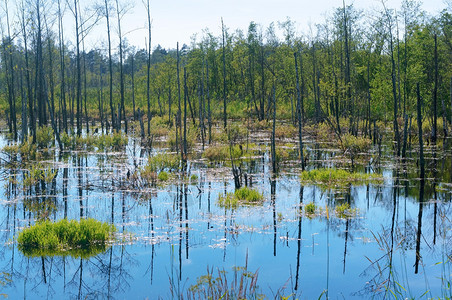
(435, 94)
(224, 77)
(79, 71)
(133, 87)
(148, 87)
(299, 114)
(273, 142)
(110, 67)
(184, 156)
(121, 73)
(209, 116)
(419, 125)
(62, 68)
(32, 122)
(12, 104)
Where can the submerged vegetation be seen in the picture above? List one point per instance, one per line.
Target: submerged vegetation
(82, 238)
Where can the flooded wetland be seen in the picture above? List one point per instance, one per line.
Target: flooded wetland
(332, 234)
(291, 151)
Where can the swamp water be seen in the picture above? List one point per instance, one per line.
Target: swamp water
(395, 244)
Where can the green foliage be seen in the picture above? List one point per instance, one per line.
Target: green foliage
(194, 178)
(163, 176)
(162, 161)
(310, 208)
(28, 151)
(242, 196)
(221, 153)
(337, 178)
(344, 211)
(353, 145)
(44, 136)
(159, 126)
(36, 174)
(192, 136)
(63, 237)
(286, 132)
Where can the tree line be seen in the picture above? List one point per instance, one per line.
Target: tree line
(362, 67)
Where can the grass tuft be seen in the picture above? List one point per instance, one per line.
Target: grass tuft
(76, 238)
(242, 196)
(337, 178)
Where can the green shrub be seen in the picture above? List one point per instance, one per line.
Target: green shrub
(163, 161)
(354, 145)
(60, 237)
(344, 211)
(163, 176)
(193, 178)
(44, 136)
(36, 174)
(310, 208)
(192, 136)
(223, 153)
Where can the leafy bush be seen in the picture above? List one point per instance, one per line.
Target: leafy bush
(354, 145)
(286, 131)
(44, 136)
(163, 161)
(163, 176)
(310, 208)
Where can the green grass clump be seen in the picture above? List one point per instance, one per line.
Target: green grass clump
(158, 166)
(163, 176)
(222, 153)
(44, 136)
(310, 208)
(162, 161)
(65, 237)
(242, 196)
(344, 211)
(337, 178)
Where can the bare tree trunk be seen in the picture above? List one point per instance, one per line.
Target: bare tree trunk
(110, 67)
(32, 122)
(184, 156)
(121, 72)
(169, 101)
(62, 68)
(179, 111)
(299, 114)
(209, 116)
(419, 124)
(79, 71)
(435, 95)
(133, 86)
(12, 97)
(225, 117)
(148, 87)
(273, 142)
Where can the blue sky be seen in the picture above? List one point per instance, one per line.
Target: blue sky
(178, 20)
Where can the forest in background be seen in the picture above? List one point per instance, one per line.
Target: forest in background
(352, 71)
